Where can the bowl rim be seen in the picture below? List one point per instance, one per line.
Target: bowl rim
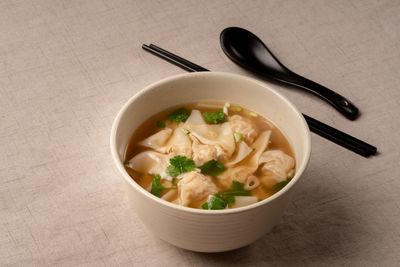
(150, 197)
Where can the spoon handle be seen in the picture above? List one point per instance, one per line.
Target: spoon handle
(340, 103)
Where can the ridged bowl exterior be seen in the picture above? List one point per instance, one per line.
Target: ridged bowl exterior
(202, 230)
(207, 232)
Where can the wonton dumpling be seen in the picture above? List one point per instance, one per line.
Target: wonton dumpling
(203, 153)
(168, 141)
(237, 173)
(151, 162)
(178, 144)
(207, 140)
(278, 163)
(241, 172)
(244, 126)
(220, 135)
(157, 140)
(194, 186)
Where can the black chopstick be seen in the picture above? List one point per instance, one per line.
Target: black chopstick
(336, 136)
(191, 65)
(353, 146)
(174, 59)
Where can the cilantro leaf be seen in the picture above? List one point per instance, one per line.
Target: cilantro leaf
(214, 117)
(229, 199)
(179, 165)
(214, 203)
(237, 186)
(156, 186)
(223, 199)
(237, 189)
(179, 115)
(212, 167)
(280, 185)
(160, 124)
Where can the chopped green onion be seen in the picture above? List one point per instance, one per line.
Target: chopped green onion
(237, 108)
(214, 117)
(238, 137)
(179, 115)
(253, 114)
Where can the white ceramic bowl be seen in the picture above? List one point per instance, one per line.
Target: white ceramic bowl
(205, 230)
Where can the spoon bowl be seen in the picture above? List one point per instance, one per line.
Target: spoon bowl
(248, 51)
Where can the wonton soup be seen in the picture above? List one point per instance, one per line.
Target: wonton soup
(210, 156)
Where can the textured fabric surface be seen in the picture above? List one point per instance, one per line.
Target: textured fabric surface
(66, 68)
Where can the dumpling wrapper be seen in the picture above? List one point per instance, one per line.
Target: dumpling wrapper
(220, 135)
(195, 118)
(157, 140)
(168, 141)
(243, 151)
(277, 162)
(241, 172)
(178, 144)
(151, 162)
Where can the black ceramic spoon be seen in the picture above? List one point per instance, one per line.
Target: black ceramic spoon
(248, 51)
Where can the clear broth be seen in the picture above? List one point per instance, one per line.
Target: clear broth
(149, 127)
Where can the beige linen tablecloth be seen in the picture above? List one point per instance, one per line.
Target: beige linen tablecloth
(66, 68)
